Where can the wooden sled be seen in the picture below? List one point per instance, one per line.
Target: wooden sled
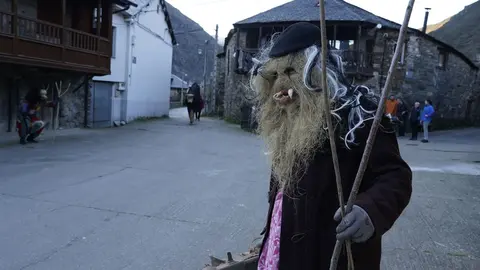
(244, 261)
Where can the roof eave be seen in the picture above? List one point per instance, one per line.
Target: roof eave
(168, 21)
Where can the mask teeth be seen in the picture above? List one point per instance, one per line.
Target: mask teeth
(290, 93)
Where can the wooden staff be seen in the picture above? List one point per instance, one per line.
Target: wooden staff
(331, 131)
(375, 124)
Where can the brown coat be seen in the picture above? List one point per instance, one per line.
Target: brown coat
(308, 228)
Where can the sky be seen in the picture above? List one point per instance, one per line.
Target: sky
(225, 13)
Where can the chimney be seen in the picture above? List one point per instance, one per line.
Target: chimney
(427, 10)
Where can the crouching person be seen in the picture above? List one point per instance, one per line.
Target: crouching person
(29, 124)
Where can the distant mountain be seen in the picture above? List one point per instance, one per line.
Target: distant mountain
(190, 37)
(433, 27)
(462, 31)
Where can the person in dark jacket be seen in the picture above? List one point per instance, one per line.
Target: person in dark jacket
(192, 101)
(415, 120)
(402, 114)
(198, 110)
(303, 220)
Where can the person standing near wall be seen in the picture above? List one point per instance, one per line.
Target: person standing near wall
(391, 106)
(415, 120)
(402, 114)
(426, 118)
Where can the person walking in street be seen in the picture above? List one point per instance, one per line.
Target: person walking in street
(192, 101)
(426, 118)
(415, 120)
(402, 114)
(199, 109)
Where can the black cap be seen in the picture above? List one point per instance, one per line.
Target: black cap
(296, 37)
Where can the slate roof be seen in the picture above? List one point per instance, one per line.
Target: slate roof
(178, 83)
(335, 10)
(307, 10)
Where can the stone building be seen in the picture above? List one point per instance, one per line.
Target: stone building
(427, 69)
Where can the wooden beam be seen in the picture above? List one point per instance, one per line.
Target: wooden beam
(99, 18)
(64, 32)
(259, 37)
(109, 11)
(237, 48)
(15, 26)
(357, 46)
(99, 7)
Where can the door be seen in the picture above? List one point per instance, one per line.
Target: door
(102, 104)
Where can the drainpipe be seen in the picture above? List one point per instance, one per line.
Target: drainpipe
(427, 10)
(128, 68)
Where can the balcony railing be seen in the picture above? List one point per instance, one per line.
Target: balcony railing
(38, 40)
(354, 62)
(6, 23)
(39, 30)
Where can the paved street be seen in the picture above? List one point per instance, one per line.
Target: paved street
(165, 195)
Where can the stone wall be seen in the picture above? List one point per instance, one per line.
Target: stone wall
(236, 85)
(221, 68)
(72, 105)
(454, 90)
(71, 114)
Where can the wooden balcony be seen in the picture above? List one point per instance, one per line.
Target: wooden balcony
(32, 42)
(354, 62)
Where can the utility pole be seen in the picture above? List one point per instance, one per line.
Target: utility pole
(214, 86)
(205, 77)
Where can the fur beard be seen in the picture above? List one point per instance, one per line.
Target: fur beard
(293, 134)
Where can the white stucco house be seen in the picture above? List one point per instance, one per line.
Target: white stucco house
(141, 64)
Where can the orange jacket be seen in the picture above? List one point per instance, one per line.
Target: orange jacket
(391, 107)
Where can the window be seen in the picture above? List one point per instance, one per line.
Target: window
(114, 41)
(252, 38)
(442, 59)
(95, 17)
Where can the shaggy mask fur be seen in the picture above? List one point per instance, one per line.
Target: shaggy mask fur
(291, 114)
(291, 118)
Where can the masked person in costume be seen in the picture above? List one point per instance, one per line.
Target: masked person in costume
(304, 220)
(29, 124)
(192, 101)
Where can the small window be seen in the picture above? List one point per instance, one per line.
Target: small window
(114, 41)
(252, 38)
(442, 59)
(95, 17)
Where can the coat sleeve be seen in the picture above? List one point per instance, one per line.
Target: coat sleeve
(387, 185)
